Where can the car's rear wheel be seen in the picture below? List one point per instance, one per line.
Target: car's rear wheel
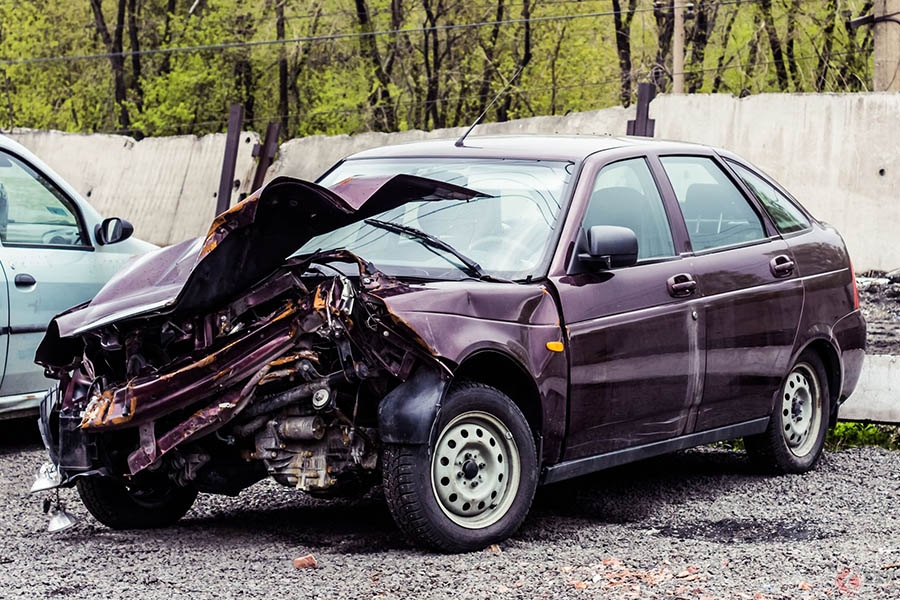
(121, 507)
(795, 437)
(472, 486)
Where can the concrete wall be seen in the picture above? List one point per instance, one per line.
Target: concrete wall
(828, 150)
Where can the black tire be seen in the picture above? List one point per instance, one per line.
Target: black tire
(795, 437)
(120, 507)
(425, 485)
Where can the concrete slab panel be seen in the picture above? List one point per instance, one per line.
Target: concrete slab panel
(877, 395)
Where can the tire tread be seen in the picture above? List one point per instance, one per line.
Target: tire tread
(109, 502)
(401, 490)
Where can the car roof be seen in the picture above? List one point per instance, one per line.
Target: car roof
(543, 147)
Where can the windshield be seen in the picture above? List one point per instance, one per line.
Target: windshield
(507, 233)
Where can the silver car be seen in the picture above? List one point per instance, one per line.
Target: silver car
(55, 251)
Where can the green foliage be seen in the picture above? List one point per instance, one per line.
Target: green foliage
(419, 69)
(850, 434)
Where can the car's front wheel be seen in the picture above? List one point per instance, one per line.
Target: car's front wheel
(471, 487)
(121, 507)
(795, 437)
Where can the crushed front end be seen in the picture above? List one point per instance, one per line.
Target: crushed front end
(284, 381)
(208, 365)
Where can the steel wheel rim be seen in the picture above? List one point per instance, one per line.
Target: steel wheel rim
(801, 409)
(475, 448)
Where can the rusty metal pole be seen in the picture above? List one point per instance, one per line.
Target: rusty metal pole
(886, 33)
(642, 123)
(232, 139)
(678, 48)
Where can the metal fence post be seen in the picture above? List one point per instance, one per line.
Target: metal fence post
(232, 138)
(642, 123)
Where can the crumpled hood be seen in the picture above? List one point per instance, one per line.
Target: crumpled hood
(245, 244)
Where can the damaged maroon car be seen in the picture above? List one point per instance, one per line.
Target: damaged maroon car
(459, 324)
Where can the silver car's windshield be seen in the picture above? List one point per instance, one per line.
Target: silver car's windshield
(507, 233)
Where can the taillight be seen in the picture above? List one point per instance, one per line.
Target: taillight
(855, 289)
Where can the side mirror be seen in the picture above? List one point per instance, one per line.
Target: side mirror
(113, 230)
(610, 247)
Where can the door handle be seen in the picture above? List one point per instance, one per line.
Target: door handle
(781, 265)
(24, 280)
(681, 285)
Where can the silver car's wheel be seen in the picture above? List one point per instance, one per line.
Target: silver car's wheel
(795, 436)
(475, 469)
(801, 409)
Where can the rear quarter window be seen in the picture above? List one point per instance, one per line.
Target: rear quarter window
(787, 217)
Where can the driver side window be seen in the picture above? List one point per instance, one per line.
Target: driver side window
(32, 210)
(626, 195)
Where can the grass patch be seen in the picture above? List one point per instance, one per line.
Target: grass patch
(850, 434)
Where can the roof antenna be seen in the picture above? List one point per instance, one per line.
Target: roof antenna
(461, 141)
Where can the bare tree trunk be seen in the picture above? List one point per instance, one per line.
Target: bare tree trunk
(622, 23)
(521, 61)
(380, 97)
(699, 38)
(166, 65)
(432, 65)
(113, 45)
(775, 44)
(793, 10)
(855, 62)
(825, 54)
(665, 25)
(135, 58)
(245, 78)
(752, 59)
(283, 107)
(301, 60)
(554, 58)
(489, 66)
(720, 66)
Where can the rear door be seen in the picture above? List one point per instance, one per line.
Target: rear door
(751, 294)
(634, 346)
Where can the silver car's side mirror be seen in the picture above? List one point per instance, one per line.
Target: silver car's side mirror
(113, 230)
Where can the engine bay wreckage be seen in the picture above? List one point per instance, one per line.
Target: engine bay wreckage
(216, 362)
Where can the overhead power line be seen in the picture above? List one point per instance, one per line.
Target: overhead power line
(453, 98)
(325, 38)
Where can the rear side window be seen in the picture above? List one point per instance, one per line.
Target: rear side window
(788, 218)
(626, 195)
(715, 211)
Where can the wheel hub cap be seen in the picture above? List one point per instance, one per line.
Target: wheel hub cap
(800, 409)
(475, 470)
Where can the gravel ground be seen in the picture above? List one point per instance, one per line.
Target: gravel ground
(879, 299)
(695, 525)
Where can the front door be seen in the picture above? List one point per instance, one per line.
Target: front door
(49, 264)
(635, 347)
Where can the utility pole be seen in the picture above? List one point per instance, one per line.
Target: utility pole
(886, 32)
(678, 47)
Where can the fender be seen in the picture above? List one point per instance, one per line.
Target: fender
(408, 413)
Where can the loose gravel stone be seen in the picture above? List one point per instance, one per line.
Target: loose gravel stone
(696, 525)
